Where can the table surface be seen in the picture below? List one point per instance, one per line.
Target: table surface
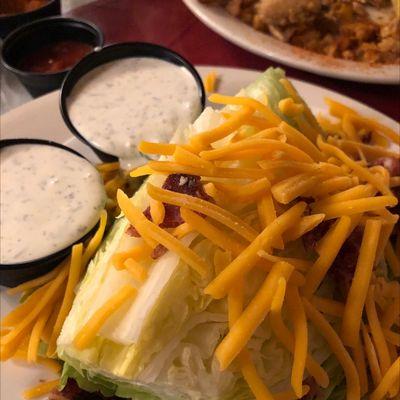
(171, 24)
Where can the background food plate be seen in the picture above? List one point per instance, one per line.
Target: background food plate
(244, 36)
(41, 119)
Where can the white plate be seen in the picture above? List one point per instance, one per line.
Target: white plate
(41, 119)
(244, 36)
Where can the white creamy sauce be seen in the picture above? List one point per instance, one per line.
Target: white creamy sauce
(120, 103)
(50, 198)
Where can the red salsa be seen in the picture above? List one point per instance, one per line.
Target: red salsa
(55, 57)
(11, 7)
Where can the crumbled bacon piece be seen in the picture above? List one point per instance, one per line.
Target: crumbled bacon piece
(72, 391)
(366, 137)
(343, 268)
(311, 238)
(180, 183)
(159, 251)
(390, 163)
(186, 184)
(314, 391)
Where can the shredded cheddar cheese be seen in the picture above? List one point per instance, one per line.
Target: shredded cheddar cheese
(89, 331)
(157, 211)
(392, 259)
(108, 167)
(73, 279)
(306, 224)
(264, 110)
(34, 283)
(360, 171)
(202, 140)
(337, 347)
(264, 147)
(376, 331)
(358, 291)
(252, 378)
(251, 317)
(215, 235)
(159, 235)
(297, 139)
(392, 337)
(205, 207)
(286, 338)
(332, 185)
(288, 189)
(271, 188)
(40, 389)
(360, 363)
(371, 357)
(34, 340)
(168, 167)
(241, 265)
(327, 254)
(391, 314)
(289, 107)
(185, 157)
(138, 271)
(210, 82)
(356, 192)
(298, 318)
(388, 380)
(267, 214)
(16, 335)
(328, 306)
(250, 192)
(95, 241)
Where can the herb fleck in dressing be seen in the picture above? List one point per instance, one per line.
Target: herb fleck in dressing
(50, 198)
(122, 102)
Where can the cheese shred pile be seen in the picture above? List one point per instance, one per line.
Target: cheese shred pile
(271, 184)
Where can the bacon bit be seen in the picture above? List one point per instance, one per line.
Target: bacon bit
(393, 166)
(343, 268)
(366, 137)
(396, 209)
(314, 391)
(131, 231)
(180, 183)
(159, 251)
(72, 391)
(310, 239)
(390, 163)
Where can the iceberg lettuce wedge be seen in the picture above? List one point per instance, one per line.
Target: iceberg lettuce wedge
(161, 346)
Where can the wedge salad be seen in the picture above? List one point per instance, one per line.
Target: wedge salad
(258, 260)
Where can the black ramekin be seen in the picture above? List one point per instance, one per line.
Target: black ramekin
(38, 33)
(9, 22)
(112, 53)
(13, 274)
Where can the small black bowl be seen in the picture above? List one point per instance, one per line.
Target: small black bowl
(112, 53)
(13, 274)
(34, 35)
(9, 22)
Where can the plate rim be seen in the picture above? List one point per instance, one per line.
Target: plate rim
(37, 371)
(312, 62)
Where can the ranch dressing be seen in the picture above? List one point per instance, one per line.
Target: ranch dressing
(120, 103)
(50, 198)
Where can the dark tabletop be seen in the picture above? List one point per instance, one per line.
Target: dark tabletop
(171, 24)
